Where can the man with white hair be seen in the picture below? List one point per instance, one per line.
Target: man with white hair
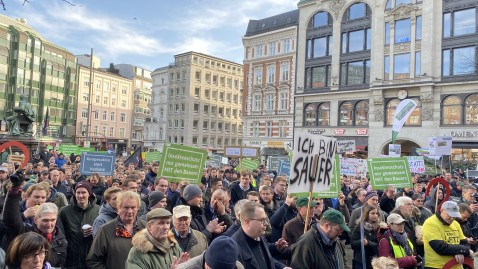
(191, 241)
(404, 207)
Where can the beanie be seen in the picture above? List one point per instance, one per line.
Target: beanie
(191, 191)
(370, 194)
(155, 197)
(84, 184)
(214, 256)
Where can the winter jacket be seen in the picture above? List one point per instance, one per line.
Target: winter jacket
(279, 219)
(246, 254)
(60, 162)
(270, 211)
(150, 178)
(197, 243)
(73, 218)
(198, 263)
(199, 219)
(15, 226)
(237, 193)
(58, 198)
(371, 249)
(148, 253)
(386, 250)
(98, 190)
(110, 248)
(312, 251)
(410, 230)
(294, 229)
(106, 214)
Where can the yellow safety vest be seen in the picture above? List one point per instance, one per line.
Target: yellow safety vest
(398, 251)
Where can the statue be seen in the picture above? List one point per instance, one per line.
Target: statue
(21, 123)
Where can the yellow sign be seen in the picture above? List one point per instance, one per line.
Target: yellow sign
(15, 158)
(275, 144)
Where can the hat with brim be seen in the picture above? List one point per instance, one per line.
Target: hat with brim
(395, 219)
(158, 213)
(335, 216)
(303, 201)
(451, 209)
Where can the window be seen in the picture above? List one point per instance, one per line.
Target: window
(319, 47)
(283, 100)
(318, 77)
(206, 109)
(103, 130)
(85, 97)
(113, 101)
(358, 10)
(401, 66)
(259, 51)
(205, 125)
(257, 100)
(418, 64)
(228, 97)
(270, 104)
(346, 114)
(105, 100)
(310, 115)
(221, 96)
(214, 95)
(284, 71)
(197, 92)
(272, 48)
(112, 116)
(403, 30)
(321, 19)
(387, 33)
(195, 124)
(471, 109)
(197, 75)
(258, 75)
(418, 28)
(271, 73)
(112, 131)
(97, 99)
(323, 114)
(96, 114)
(105, 115)
(123, 103)
(361, 113)
(286, 46)
(123, 117)
(356, 40)
(282, 128)
(355, 73)
(413, 120)
(196, 108)
(458, 61)
(269, 128)
(84, 113)
(461, 22)
(122, 132)
(386, 68)
(95, 129)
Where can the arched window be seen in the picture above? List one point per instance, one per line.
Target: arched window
(323, 112)
(346, 114)
(452, 110)
(310, 115)
(415, 118)
(361, 113)
(471, 109)
(357, 11)
(320, 19)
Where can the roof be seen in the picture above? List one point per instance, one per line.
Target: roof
(273, 152)
(276, 22)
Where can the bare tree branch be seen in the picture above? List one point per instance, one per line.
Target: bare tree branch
(3, 4)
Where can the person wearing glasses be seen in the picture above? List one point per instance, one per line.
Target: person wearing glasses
(254, 248)
(424, 213)
(28, 251)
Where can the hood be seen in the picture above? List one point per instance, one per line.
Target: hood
(53, 193)
(106, 209)
(145, 243)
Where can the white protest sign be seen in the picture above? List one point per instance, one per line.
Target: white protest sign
(353, 167)
(312, 163)
(344, 146)
(394, 150)
(416, 164)
(440, 145)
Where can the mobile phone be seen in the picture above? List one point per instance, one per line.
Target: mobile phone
(419, 258)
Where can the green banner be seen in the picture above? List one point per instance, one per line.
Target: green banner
(249, 164)
(389, 171)
(152, 156)
(181, 162)
(335, 186)
(69, 149)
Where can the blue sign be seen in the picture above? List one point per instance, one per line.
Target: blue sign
(284, 168)
(103, 164)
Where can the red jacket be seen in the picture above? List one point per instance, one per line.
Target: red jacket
(385, 250)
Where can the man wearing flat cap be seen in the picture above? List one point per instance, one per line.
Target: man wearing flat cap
(153, 247)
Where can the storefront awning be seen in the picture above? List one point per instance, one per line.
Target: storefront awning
(273, 152)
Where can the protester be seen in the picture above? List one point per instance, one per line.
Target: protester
(384, 263)
(370, 224)
(28, 251)
(387, 202)
(266, 194)
(108, 209)
(294, 228)
(371, 198)
(404, 208)
(239, 190)
(191, 241)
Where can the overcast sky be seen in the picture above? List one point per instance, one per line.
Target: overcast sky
(146, 33)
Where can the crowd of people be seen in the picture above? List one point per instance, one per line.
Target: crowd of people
(54, 217)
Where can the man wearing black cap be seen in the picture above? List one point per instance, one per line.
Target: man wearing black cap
(156, 199)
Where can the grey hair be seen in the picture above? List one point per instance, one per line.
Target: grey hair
(46, 208)
(402, 200)
(249, 210)
(238, 206)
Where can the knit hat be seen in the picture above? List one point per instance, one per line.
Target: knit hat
(155, 197)
(370, 194)
(191, 191)
(214, 256)
(84, 184)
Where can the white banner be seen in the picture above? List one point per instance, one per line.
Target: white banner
(344, 146)
(312, 163)
(394, 150)
(440, 145)
(416, 164)
(402, 112)
(353, 167)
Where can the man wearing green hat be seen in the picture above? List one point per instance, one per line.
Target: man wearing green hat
(294, 228)
(319, 247)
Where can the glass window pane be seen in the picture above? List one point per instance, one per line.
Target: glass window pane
(343, 74)
(344, 42)
(355, 73)
(464, 22)
(324, 114)
(361, 113)
(415, 118)
(391, 107)
(446, 25)
(320, 47)
(452, 110)
(319, 77)
(471, 109)
(464, 61)
(387, 33)
(402, 30)
(401, 66)
(398, 2)
(329, 49)
(346, 114)
(386, 68)
(418, 28)
(356, 40)
(309, 48)
(389, 4)
(367, 71)
(368, 34)
(418, 64)
(320, 19)
(445, 63)
(356, 11)
(310, 114)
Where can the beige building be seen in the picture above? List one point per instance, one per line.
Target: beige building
(357, 60)
(269, 75)
(111, 109)
(203, 105)
(156, 126)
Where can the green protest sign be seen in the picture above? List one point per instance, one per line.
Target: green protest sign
(335, 186)
(181, 162)
(249, 164)
(69, 149)
(153, 156)
(389, 171)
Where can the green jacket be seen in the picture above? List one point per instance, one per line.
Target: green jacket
(72, 218)
(147, 253)
(110, 250)
(197, 244)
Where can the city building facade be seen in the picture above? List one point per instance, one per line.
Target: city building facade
(357, 60)
(108, 124)
(204, 96)
(269, 76)
(46, 74)
(142, 84)
(156, 126)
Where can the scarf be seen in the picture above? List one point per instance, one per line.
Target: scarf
(402, 239)
(368, 226)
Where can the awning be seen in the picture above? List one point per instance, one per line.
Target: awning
(273, 152)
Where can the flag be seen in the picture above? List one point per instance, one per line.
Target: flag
(402, 112)
(46, 122)
(135, 158)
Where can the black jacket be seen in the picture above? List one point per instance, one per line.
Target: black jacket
(246, 256)
(371, 249)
